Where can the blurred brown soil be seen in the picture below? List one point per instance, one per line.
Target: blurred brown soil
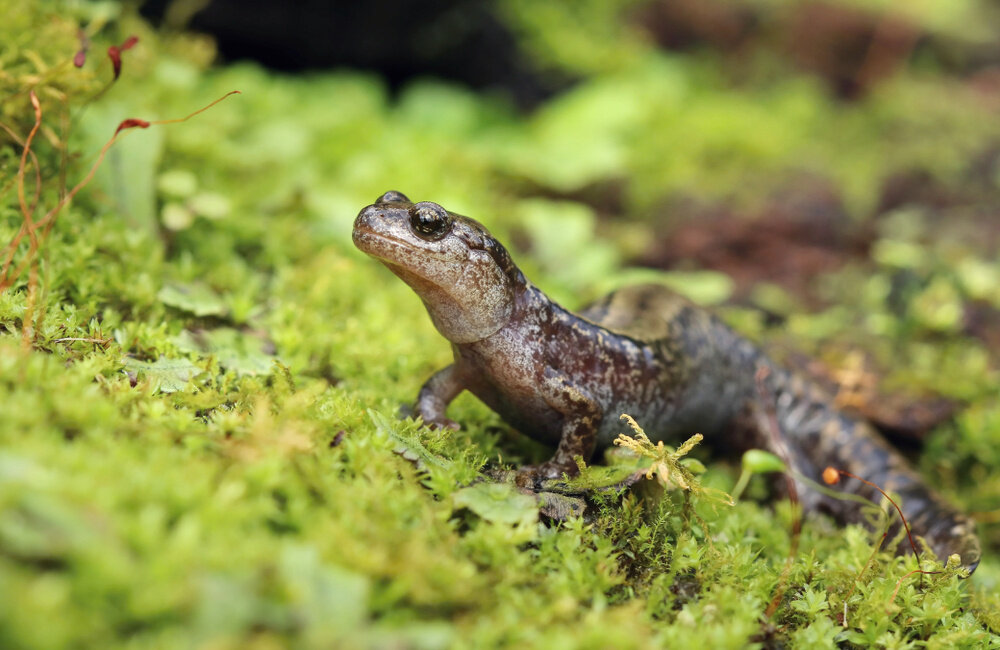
(804, 231)
(850, 48)
(798, 235)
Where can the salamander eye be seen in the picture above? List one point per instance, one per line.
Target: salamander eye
(429, 220)
(392, 196)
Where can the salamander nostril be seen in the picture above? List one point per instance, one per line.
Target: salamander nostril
(369, 217)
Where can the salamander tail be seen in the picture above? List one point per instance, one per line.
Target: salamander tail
(816, 435)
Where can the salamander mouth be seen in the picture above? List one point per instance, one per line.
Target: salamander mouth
(406, 260)
(381, 246)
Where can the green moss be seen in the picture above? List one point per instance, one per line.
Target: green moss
(200, 446)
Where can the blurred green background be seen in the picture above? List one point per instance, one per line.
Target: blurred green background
(199, 375)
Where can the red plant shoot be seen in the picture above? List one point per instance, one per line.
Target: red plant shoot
(831, 475)
(81, 56)
(115, 54)
(28, 227)
(899, 583)
(27, 216)
(116, 60)
(130, 123)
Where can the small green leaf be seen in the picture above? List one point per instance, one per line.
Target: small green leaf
(704, 287)
(167, 375)
(177, 183)
(811, 602)
(235, 350)
(498, 503)
(409, 447)
(694, 465)
(599, 478)
(560, 506)
(195, 298)
(176, 217)
(939, 306)
(211, 205)
(899, 254)
(333, 599)
(757, 461)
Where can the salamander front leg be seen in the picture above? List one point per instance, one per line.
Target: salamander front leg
(582, 416)
(435, 396)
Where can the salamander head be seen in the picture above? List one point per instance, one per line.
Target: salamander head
(465, 278)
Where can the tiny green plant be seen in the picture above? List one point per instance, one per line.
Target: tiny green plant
(669, 466)
(673, 471)
(755, 461)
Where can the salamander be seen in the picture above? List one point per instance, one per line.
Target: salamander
(564, 379)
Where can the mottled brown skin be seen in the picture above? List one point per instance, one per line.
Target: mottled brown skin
(564, 379)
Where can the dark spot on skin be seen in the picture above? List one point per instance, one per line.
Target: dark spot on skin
(502, 259)
(644, 300)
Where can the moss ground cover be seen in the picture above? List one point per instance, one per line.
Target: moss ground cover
(199, 443)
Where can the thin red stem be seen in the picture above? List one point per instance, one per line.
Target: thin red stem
(906, 525)
(899, 582)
